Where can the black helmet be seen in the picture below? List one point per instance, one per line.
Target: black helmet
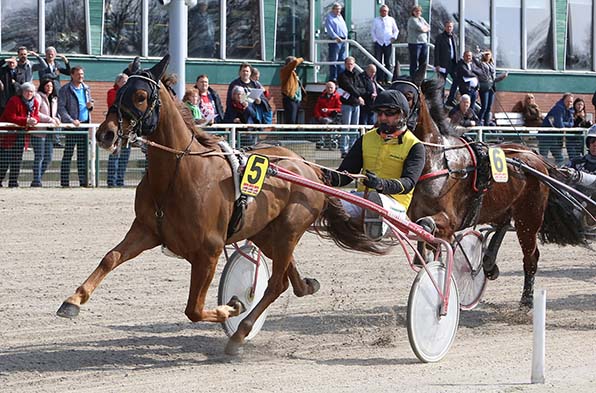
(392, 99)
(405, 87)
(590, 135)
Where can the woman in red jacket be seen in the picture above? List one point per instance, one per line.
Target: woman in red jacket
(328, 105)
(22, 110)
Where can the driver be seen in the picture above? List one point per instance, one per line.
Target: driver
(390, 156)
(584, 176)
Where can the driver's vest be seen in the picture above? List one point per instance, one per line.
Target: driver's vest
(386, 159)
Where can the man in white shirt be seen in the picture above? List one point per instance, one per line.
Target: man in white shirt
(384, 32)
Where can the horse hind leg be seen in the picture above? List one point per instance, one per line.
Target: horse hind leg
(137, 240)
(489, 260)
(302, 286)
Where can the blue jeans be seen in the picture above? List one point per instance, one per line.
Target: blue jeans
(291, 109)
(337, 52)
(418, 54)
(367, 116)
(80, 142)
(117, 163)
(350, 114)
(554, 144)
(486, 102)
(43, 149)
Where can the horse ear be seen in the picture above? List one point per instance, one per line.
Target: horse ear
(160, 68)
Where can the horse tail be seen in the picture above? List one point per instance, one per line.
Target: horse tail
(335, 224)
(562, 223)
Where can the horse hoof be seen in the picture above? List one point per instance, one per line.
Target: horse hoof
(492, 274)
(237, 305)
(233, 348)
(313, 283)
(68, 310)
(526, 302)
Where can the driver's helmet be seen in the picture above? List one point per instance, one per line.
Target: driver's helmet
(392, 99)
(591, 135)
(407, 88)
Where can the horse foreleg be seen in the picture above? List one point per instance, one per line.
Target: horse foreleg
(302, 286)
(489, 260)
(528, 243)
(278, 283)
(202, 271)
(137, 240)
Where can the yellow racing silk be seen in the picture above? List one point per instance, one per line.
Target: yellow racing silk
(386, 158)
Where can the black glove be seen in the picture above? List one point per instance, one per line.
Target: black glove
(331, 177)
(372, 181)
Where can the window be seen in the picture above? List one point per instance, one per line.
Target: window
(293, 29)
(508, 34)
(203, 29)
(243, 29)
(19, 25)
(478, 27)
(66, 27)
(579, 35)
(158, 29)
(122, 27)
(443, 10)
(540, 34)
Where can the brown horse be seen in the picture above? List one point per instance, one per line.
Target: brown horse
(186, 199)
(448, 193)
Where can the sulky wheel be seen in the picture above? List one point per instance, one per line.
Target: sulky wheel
(237, 280)
(430, 334)
(468, 272)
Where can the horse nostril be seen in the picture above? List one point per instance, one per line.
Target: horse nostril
(106, 138)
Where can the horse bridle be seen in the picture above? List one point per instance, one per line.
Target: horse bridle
(139, 123)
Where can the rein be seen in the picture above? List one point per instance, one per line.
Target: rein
(448, 171)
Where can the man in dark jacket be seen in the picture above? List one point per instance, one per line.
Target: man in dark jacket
(8, 81)
(559, 116)
(446, 55)
(369, 93)
(351, 100)
(466, 77)
(74, 106)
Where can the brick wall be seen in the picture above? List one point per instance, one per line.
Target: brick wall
(504, 101)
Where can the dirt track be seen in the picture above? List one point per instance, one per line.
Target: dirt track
(132, 336)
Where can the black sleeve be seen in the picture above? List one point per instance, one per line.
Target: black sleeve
(352, 163)
(413, 167)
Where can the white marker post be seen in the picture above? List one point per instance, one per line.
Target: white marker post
(539, 322)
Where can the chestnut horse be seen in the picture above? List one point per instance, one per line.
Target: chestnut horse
(186, 199)
(446, 192)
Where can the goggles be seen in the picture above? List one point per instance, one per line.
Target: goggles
(388, 112)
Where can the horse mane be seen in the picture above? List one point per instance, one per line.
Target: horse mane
(201, 136)
(432, 89)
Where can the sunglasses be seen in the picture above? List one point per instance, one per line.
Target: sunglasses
(387, 112)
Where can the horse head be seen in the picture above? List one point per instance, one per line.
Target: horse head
(136, 109)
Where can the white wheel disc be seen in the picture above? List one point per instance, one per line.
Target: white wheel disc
(430, 334)
(467, 268)
(237, 280)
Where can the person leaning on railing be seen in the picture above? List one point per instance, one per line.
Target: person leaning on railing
(22, 110)
(43, 145)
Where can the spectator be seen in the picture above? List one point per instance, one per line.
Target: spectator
(559, 116)
(446, 56)
(466, 77)
(118, 160)
(291, 89)
(245, 82)
(369, 94)
(264, 111)
(49, 69)
(74, 106)
(191, 101)
(462, 114)
(240, 110)
(575, 144)
(43, 145)
(384, 33)
(418, 29)
(337, 30)
(328, 105)
(351, 100)
(530, 111)
(24, 66)
(8, 81)
(210, 103)
(22, 110)
(201, 39)
(487, 77)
